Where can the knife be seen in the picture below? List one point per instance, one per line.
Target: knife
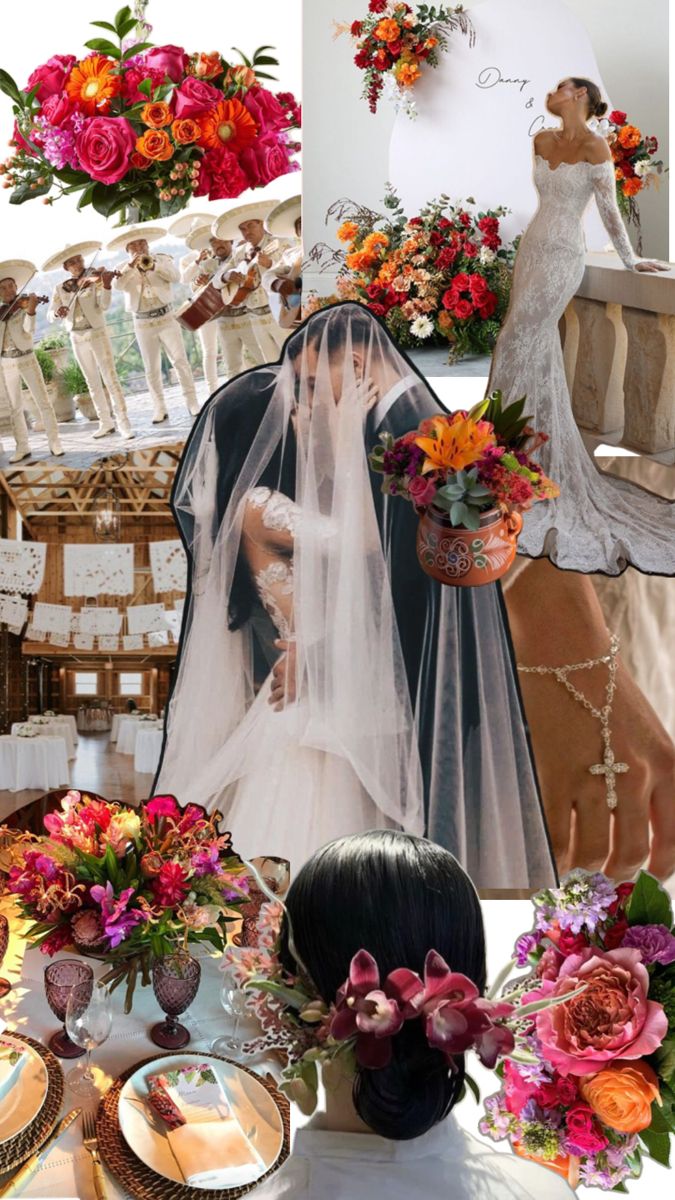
(25, 1172)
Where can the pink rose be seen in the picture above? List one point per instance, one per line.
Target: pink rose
(195, 96)
(51, 76)
(266, 159)
(612, 1018)
(266, 110)
(220, 175)
(57, 109)
(584, 1135)
(21, 142)
(104, 148)
(422, 490)
(171, 60)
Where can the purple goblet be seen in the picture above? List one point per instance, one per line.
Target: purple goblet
(60, 978)
(5, 985)
(175, 980)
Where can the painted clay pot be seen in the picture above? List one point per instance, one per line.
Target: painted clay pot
(467, 557)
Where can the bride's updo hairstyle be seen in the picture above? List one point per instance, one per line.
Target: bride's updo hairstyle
(597, 107)
(396, 896)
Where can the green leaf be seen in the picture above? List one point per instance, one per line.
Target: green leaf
(266, 61)
(11, 88)
(473, 1087)
(137, 49)
(663, 1120)
(126, 28)
(264, 75)
(665, 1059)
(649, 903)
(145, 87)
(121, 17)
(658, 1145)
(86, 196)
(104, 25)
(102, 46)
(167, 208)
(23, 192)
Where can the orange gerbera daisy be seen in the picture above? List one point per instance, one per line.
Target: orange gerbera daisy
(92, 84)
(228, 124)
(455, 442)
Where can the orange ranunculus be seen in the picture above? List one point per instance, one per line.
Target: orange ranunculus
(92, 84)
(375, 241)
(206, 66)
(157, 114)
(228, 124)
(155, 144)
(407, 74)
(630, 137)
(140, 162)
(622, 1095)
(347, 231)
(185, 130)
(631, 187)
(387, 30)
(455, 442)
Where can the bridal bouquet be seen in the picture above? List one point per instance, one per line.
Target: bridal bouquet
(440, 278)
(141, 129)
(394, 42)
(593, 1089)
(124, 884)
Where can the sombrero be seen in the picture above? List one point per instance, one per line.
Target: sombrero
(62, 256)
(18, 269)
(134, 233)
(281, 221)
(226, 226)
(187, 222)
(199, 238)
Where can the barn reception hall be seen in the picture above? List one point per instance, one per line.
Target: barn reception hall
(92, 586)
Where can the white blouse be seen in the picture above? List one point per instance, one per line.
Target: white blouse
(445, 1162)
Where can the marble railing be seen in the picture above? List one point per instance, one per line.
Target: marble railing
(618, 336)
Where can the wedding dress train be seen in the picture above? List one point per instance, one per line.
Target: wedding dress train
(598, 523)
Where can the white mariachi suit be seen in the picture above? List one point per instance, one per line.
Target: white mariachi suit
(288, 265)
(190, 271)
(148, 295)
(257, 330)
(92, 347)
(20, 364)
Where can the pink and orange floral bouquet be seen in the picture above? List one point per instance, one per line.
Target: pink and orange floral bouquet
(140, 129)
(590, 1088)
(635, 163)
(396, 42)
(127, 885)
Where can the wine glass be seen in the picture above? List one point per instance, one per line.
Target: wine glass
(88, 1022)
(5, 985)
(233, 1000)
(60, 978)
(175, 980)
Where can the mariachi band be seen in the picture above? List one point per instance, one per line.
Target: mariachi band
(243, 270)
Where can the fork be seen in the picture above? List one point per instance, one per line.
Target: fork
(91, 1144)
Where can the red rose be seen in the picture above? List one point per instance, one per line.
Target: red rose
(104, 148)
(415, 221)
(195, 96)
(377, 6)
(378, 310)
(265, 110)
(362, 60)
(492, 241)
(488, 225)
(170, 60)
(470, 249)
(462, 282)
(615, 934)
(488, 306)
(446, 258)
(436, 238)
(51, 76)
(463, 310)
(623, 892)
(478, 287)
(374, 291)
(562, 1092)
(571, 943)
(444, 223)
(220, 175)
(617, 117)
(57, 109)
(266, 159)
(395, 48)
(449, 299)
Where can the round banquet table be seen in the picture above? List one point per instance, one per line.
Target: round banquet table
(53, 730)
(117, 720)
(128, 731)
(93, 720)
(147, 751)
(29, 763)
(61, 720)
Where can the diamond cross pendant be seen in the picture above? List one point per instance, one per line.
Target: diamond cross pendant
(610, 769)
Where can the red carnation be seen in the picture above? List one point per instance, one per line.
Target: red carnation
(470, 249)
(357, 28)
(221, 176)
(465, 218)
(488, 225)
(377, 6)
(362, 59)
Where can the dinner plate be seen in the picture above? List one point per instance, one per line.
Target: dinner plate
(251, 1104)
(22, 1102)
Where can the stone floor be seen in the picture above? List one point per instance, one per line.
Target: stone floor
(434, 364)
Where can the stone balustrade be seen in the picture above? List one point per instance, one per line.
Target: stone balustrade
(618, 337)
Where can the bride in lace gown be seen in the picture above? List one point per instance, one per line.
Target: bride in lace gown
(598, 523)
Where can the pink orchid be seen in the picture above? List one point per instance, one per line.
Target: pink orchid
(366, 1011)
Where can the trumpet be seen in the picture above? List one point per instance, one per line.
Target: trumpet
(143, 262)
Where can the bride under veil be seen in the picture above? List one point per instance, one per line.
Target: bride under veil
(274, 498)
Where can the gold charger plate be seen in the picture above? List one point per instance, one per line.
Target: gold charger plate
(138, 1178)
(17, 1149)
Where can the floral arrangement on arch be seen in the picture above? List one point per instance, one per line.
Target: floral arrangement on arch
(466, 463)
(593, 1087)
(394, 42)
(442, 277)
(635, 163)
(127, 885)
(140, 129)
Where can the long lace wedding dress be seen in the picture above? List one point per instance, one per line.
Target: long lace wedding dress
(598, 523)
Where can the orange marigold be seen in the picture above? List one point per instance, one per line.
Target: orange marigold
(93, 83)
(347, 231)
(374, 241)
(630, 137)
(359, 260)
(155, 144)
(228, 124)
(156, 115)
(455, 442)
(387, 30)
(185, 130)
(387, 272)
(631, 187)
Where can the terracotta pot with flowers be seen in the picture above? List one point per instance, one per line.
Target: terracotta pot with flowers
(469, 476)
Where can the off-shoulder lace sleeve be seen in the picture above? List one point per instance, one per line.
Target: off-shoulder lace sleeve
(604, 187)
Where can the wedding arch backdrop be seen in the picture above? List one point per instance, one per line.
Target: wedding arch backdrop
(479, 109)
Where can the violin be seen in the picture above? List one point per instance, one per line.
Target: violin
(91, 275)
(20, 302)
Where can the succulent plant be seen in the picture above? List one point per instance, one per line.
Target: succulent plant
(464, 498)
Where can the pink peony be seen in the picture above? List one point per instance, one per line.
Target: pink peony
(194, 96)
(170, 60)
(104, 148)
(51, 76)
(220, 175)
(266, 159)
(612, 1018)
(57, 109)
(266, 110)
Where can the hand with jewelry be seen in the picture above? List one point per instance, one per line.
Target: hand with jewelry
(556, 621)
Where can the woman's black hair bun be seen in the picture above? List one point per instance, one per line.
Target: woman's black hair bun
(413, 1093)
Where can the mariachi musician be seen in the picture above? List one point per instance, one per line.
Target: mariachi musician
(81, 302)
(147, 281)
(18, 357)
(249, 319)
(208, 255)
(283, 281)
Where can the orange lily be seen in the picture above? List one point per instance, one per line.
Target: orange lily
(455, 442)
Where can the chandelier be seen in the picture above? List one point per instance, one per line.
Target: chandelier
(107, 517)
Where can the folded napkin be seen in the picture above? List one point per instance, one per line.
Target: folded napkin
(11, 1062)
(205, 1137)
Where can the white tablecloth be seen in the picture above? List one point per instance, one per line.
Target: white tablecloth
(30, 763)
(129, 729)
(55, 730)
(148, 750)
(61, 719)
(117, 720)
